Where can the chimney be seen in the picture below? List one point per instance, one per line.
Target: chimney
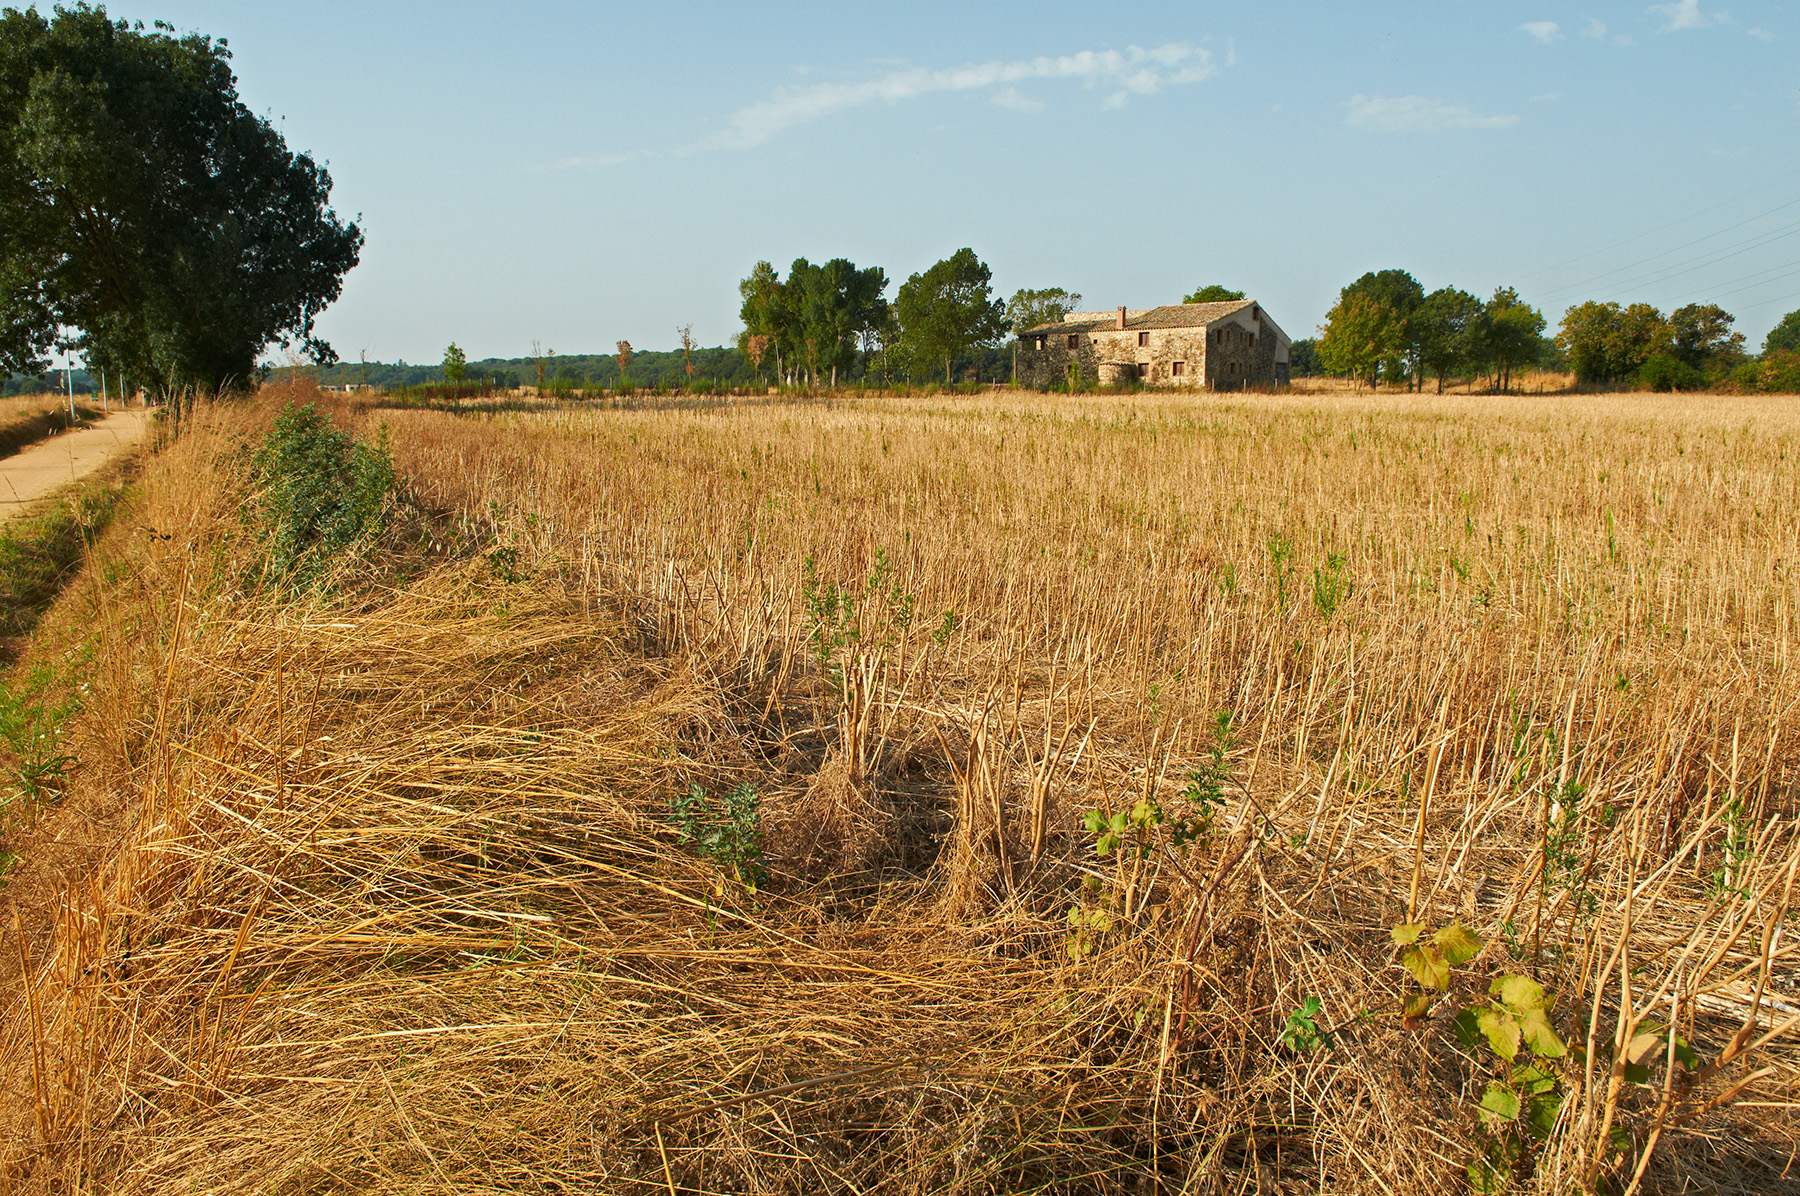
(1121, 317)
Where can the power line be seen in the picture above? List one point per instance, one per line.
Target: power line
(1792, 269)
(1664, 274)
(1662, 227)
(1665, 253)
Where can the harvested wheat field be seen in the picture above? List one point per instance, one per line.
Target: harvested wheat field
(1010, 793)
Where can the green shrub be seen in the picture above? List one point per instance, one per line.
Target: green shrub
(1665, 372)
(322, 490)
(1776, 372)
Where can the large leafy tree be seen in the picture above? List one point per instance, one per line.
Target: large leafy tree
(1213, 293)
(1785, 335)
(1029, 308)
(818, 318)
(1703, 337)
(1369, 329)
(948, 311)
(764, 312)
(1360, 333)
(1515, 334)
(1449, 329)
(1588, 333)
(1608, 343)
(146, 213)
(836, 305)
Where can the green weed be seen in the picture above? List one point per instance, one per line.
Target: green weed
(322, 490)
(729, 832)
(31, 728)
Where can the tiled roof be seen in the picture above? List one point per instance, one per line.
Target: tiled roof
(1174, 315)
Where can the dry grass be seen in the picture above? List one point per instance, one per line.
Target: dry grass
(387, 898)
(25, 419)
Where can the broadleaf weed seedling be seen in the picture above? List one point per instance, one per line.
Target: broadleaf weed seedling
(1302, 1033)
(728, 833)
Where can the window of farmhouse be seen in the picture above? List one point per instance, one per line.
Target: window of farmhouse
(1143, 338)
(1178, 369)
(1073, 340)
(1040, 343)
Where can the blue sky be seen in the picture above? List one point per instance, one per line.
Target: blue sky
(580, 173)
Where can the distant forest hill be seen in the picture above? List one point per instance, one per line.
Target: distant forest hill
(649, 369)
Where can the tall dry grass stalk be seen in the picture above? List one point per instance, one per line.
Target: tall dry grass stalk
(396, 905)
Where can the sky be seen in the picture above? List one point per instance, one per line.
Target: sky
(577, 174)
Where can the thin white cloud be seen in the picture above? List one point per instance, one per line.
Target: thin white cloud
(1415, 114)
(1544, 31)
(1009, 97)
(1761, 35)
(1686, 14)
(1133, 71)
(1548, 97)
(1595, 28)
(594, 161)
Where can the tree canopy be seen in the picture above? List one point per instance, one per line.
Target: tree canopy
(143, 206)
(1515, 334)
(946, 311)
(1212, 292)
(1785, 335)
(1028, 309)
(1608, 343)
(1703, 336)
(818, 318)
(1450, 332)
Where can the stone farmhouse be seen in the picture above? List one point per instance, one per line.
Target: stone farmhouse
(1212, 346)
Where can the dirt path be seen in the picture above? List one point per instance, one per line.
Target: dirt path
(45, 467)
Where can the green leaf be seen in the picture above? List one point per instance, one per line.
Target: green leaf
(1407, 933)
(1685, 1054)
(1541, 1112)
(1534, 1079)
(1427, 966)
(1458, 943)
(1519, 993)
(1535, 1029)
(1093, 820)
(1416, 1005)
(1468, 1027)
(1484, 1177)
(1500, 1103)
(1501, 1030)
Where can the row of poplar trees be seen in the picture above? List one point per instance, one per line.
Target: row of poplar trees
(827, 318)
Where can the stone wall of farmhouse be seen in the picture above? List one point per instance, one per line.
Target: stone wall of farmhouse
(1044, 368)
(1225, 356)
(1237, 357)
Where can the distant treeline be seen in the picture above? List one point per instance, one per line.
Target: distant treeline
(50, 380)
(1385, 328)
(721, 367)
